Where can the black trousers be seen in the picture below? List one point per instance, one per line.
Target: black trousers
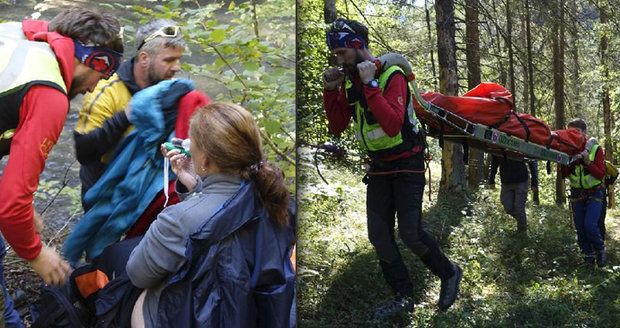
(399, 196)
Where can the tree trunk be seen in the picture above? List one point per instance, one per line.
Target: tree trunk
(329, 11)
(502, 71)
(453, 169)
(446, 46)
(524, 62)
(511, 61)
(430, 41)
(558, 90)
(607, 117)
(526, 79)
(472, 53)
(575, 63)
(530, 65)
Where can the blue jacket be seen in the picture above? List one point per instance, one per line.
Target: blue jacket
(133, 178)
(241, 239)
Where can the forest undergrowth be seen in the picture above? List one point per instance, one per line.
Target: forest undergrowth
(509, 280)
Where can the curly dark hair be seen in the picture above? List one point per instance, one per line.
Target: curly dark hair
(89, 26)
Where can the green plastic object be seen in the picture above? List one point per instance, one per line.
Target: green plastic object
(171, 146)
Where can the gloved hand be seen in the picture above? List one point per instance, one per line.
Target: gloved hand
(590, 143)
(584, 156)
(332, 78)
(367, 70)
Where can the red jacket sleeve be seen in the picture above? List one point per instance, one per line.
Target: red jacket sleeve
(42, 115)
(337, 110)
(389, 107)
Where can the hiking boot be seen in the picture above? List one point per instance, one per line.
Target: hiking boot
(450, 288)
(396, 305)
(601, 258)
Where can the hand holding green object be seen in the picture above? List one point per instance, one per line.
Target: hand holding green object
(179, 144)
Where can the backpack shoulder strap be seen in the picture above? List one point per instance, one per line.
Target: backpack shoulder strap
(56, 310)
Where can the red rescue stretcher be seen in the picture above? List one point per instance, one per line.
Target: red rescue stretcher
(483, 118)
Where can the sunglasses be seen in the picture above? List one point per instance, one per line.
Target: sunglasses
(101, 59)
(341, 26)
(165, 31)
(345, 40)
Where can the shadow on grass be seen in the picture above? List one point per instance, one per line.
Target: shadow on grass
(359, 288)
(606, 294)
(547, 250)
(545, 280)
(509, 281)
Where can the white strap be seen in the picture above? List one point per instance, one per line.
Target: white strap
(166, 165)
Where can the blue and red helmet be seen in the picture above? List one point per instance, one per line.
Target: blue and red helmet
(347, 34)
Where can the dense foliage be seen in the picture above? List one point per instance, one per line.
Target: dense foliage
(251, 58)
(509, 281)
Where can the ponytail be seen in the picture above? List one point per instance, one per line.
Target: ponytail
(269, 182)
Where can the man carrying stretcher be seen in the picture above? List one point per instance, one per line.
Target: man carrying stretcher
(379, 101)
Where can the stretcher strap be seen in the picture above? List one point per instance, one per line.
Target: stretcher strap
(525, 127)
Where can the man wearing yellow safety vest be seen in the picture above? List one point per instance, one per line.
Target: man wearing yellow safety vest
(42, 66)
(104, 117)
(379, 102)
(586, 174)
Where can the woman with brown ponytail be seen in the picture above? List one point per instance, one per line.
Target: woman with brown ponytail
(221, 257)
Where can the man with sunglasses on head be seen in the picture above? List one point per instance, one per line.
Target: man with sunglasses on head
(42, 67)
(379, 102)
(105, 115)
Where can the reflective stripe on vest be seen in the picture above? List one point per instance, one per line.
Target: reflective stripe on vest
(23, 61)
(372, 136)
(581, 178)
(8, 134)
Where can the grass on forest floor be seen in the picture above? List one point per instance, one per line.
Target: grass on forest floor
(509, 281)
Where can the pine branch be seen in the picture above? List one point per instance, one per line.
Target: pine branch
(275, 148)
